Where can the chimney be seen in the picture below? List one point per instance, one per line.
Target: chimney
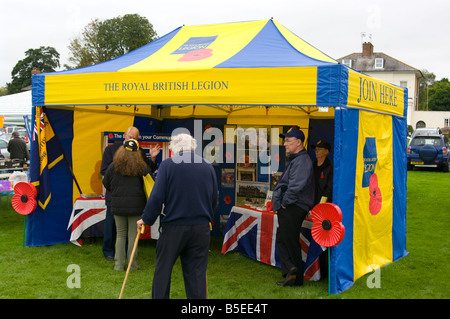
(35, 71)
(367, 49)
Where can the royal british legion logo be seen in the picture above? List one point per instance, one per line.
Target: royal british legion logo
(195, 43)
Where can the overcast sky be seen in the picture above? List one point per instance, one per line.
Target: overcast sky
(414, 32)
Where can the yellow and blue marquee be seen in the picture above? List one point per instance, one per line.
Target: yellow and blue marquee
(252, 73)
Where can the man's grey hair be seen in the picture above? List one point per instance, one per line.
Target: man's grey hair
(182, 142)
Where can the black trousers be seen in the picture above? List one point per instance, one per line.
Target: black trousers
(290, 222)
(109, 234)
(191, 243)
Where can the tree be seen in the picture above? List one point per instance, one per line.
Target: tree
(105, 40)
(46, 59)
(121, 35)
(3, 91)
(425, 83)
(86, 50)
(439, 96)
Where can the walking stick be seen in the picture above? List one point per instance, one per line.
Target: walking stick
(207, 293)
(206, 274)
(131, 259)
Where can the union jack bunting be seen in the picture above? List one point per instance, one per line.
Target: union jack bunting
(86, 212)
(253, 234)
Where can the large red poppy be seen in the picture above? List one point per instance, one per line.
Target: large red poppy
(24, 201)
(376, 199)
(196, 55)
(327, 229)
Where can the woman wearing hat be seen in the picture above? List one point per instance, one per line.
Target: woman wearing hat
(123, 179)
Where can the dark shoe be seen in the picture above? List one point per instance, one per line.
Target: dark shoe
(109, 258)
(290, 278)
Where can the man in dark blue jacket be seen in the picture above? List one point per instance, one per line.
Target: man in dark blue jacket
(187, 187)
(17, 147)
(293, 198)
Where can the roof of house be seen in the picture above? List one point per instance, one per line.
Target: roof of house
(367, 63)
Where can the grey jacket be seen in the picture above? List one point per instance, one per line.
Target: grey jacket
(296, 185)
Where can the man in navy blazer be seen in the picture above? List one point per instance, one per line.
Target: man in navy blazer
(186, 186)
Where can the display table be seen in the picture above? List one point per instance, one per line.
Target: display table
(253, 233)
(87, 212)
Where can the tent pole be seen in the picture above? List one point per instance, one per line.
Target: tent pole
(329, 264)
(24, 229)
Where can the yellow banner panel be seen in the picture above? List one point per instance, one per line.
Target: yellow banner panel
(373, 94)
(87, 148)
(372, 225)
(198, 111)
(301, 121)
(256, 86)
(242, 113)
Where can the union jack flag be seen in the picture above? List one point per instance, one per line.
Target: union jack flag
(86, 212)
(253, 233)
(310, 252)
(39, 116)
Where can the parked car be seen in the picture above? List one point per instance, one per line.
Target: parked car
(426, 131)
(431, 150)
(4, 147)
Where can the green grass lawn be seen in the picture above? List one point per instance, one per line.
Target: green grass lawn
(41, 272)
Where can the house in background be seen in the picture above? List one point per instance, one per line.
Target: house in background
(384, 67)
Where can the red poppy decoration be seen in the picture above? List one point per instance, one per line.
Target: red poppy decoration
(227, 199)
(376, 199)
(327, 229)
(24, 201)
(196, 55)
(269, 206)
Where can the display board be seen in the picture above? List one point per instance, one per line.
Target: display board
(146, 141)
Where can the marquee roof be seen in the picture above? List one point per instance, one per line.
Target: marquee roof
(219, 71)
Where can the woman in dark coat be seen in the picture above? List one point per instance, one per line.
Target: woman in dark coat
(123, 179)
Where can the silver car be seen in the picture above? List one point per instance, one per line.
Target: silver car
(4, 147)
